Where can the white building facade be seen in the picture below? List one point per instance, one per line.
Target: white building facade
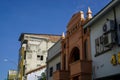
(53, 59)
(105, 42)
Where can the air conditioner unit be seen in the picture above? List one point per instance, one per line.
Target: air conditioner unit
(109, 39)
(109, 26)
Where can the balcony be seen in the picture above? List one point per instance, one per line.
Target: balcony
(81, 66)
(61, 75)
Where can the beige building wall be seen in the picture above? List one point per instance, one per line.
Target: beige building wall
(35, 50)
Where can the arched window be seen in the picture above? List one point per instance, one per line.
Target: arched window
(75, 55)
(85, 50)
(64, 61)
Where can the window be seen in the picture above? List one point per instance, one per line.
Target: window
(25, 55)
(86, 49)
(64, 46)
(51, 71)
(23, 70)
(85, 30)
(75, 55)
(39, 57)
(58, 66)
(100, 45)
(64, 62)
(119, 27)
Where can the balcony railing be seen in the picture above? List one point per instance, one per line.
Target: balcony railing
(81, 66)
(61, 75)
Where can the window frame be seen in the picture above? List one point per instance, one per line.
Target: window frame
(51, 71)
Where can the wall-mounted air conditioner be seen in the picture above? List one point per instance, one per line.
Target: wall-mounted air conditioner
(109, 26)
(109, 39)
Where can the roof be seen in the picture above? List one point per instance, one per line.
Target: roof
(102, 12)
(53, 54)
(74, 19)
(52, 37)
(34, 70)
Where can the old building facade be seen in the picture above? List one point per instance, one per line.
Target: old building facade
(33, 52)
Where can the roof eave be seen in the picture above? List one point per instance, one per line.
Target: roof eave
(101, 13)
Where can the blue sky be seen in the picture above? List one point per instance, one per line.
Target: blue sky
(35, 16)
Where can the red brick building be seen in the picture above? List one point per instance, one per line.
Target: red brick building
(76, 58)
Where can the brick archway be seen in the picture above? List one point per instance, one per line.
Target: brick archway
(74, 55)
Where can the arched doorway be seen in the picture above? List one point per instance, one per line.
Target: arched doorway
(75, 55)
